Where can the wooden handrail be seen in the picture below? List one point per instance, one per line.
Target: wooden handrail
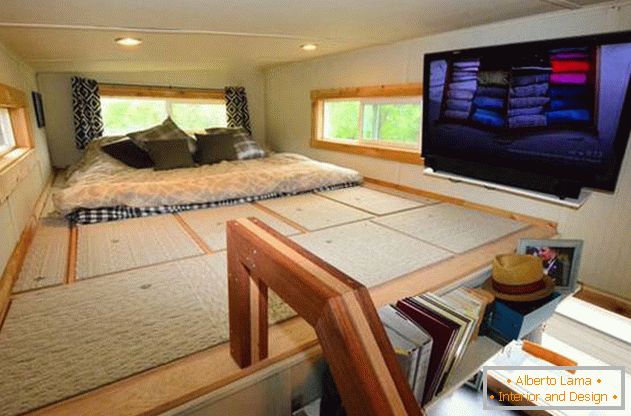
(339, 308)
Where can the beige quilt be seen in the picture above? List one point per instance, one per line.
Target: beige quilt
(99, 180)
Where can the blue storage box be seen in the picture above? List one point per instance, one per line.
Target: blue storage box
(514, 320)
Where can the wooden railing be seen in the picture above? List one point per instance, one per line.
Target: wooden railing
(353, 340)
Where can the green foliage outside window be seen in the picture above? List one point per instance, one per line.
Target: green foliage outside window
(341, 120)
(121, 116)
(197, 117)
(397, 123)
(125, 115)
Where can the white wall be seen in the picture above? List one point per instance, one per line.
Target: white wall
(57, 97)
(605, 220)
(17, 209)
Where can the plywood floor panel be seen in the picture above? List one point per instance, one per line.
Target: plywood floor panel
(451, 227)
(370, 253)
(62, 341)
(115, 246)
(372, 201)
(210, 224)
(47, 258)
(314, 212)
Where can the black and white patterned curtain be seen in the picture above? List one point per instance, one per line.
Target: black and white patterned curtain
(86, 107)
(237, 108)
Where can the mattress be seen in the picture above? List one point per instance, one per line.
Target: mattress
(100, 181)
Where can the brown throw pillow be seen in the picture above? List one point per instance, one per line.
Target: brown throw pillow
(127, 152)
(170, 154)
(213, 148)
(168, 130)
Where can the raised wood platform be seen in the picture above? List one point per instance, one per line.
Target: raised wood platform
(209, 372)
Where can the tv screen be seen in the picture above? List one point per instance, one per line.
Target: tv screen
(552, 116)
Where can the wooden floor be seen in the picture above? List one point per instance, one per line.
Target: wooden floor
(171, 385)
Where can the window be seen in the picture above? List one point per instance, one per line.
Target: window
(383, 122)
(16, 137)
(7, 140)
(379, 121)
(126, 109)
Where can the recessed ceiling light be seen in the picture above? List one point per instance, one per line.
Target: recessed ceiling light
(128, 41)
(309, 47)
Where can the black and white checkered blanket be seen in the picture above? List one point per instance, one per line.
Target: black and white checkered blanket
(104, 214)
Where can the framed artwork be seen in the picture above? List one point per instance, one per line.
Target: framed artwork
(561, 260)
(39, 109)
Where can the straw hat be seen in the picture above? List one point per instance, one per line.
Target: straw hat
(519, 278)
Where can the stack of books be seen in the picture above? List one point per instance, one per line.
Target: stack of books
(412, 345)
(430, 334)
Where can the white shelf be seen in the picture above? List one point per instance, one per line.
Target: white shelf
(567, 202)
(311, 409)
(478, 352)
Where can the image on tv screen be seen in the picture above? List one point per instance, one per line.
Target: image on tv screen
(556, 105)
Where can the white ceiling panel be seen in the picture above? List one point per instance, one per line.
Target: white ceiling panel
(71, 34)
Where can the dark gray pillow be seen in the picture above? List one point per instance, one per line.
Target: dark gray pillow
(213, 148)
(170, 154)
(127, 152)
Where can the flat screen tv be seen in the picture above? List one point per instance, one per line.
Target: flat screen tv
(551, 116)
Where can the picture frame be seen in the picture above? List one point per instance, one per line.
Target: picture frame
(475, 382)
(561, 260)
(39, 109)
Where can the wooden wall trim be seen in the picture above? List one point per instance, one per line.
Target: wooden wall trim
(12, 97)
(464, 203)
(395, 90)
(119, 90)
(378, 152)
(14, 265)
(410, 156)
(17, 103)
(605, 300)
(14, 168)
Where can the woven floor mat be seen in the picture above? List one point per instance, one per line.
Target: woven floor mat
(115, 246)
(314, 212)
(372, 201)
(370, 253)
(46, 261)
(452, 227)
(60, 342)
(210, 224)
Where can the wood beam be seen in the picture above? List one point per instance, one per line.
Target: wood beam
(340, 309)
(146, 91)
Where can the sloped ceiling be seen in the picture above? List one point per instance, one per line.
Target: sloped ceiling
(63, 35)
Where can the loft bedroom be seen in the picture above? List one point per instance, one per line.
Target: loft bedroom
(302, 209)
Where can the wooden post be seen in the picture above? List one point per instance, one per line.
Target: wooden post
(340, 309)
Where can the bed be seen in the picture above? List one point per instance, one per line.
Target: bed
(100, 188)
